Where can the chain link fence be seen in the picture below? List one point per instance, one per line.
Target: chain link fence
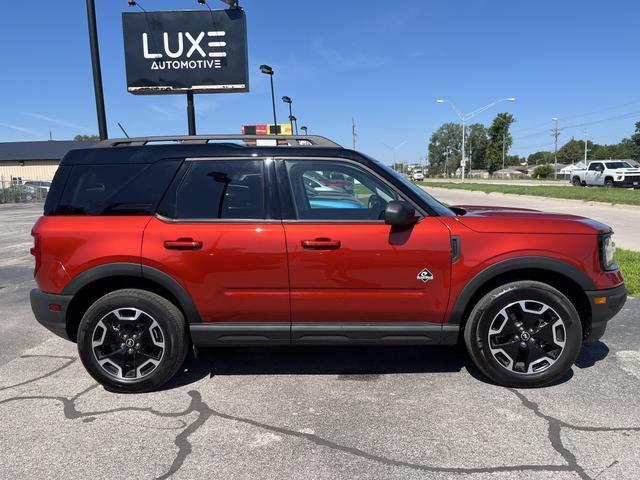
(17, 190)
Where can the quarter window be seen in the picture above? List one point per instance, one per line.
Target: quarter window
(221, 189)
(327, 190)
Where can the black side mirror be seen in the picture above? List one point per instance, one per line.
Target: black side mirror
(400, 214)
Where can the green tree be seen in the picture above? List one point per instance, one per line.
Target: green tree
(499, 138)
(571, 152)
(476, 146)
(81, 138)
(539, 158)
(446, 138)
(636, 136)
(543, 171)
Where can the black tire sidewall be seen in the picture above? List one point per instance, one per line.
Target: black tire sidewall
(476, 333)
(168, 317)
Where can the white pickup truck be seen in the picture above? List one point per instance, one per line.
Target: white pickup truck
(607, 173)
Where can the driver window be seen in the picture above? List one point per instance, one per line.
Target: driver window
(330, 190)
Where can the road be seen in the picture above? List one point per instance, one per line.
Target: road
(317, 413)
(624, 219)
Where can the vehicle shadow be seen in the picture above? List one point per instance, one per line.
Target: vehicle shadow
(360, 363)
(347, 362)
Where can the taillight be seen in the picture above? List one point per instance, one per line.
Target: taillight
(35, 251)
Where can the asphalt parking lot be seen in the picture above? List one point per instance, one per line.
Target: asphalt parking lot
(352, 412)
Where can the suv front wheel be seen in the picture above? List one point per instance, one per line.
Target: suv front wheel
(524, 334)
(132, 341)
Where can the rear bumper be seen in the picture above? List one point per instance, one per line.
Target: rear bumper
(53, 320)
(601, 313)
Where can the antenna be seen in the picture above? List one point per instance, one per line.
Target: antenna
(123, 130)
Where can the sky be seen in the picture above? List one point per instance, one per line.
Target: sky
(382, 63)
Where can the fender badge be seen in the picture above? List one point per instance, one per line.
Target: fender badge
(425, 275)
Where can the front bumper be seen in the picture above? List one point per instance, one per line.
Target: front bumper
(601, 313)
(629, 181)
(50, 311)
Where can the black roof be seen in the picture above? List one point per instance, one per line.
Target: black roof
(153, 153)
(47, 150)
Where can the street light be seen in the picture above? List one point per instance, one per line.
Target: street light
(294, 121)
(393, 150)
(305, 130)
(288, 100)
(267, 70)
(465, 117)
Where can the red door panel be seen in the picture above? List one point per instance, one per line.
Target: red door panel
(368, 273)
(234, 272)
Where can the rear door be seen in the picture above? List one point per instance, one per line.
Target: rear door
(353, 277)
(216, 233)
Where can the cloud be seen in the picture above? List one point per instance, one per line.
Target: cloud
(345, 59)
(58, 121)
(20, 129)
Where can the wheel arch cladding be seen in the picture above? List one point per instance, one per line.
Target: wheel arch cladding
(96, 282)
(566, 278)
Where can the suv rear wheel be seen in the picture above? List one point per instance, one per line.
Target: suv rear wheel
(132, 341)
(524, 334)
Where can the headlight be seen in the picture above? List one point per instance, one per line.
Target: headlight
(607, 250)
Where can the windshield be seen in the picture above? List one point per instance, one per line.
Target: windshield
(439, 208)
(614, 165)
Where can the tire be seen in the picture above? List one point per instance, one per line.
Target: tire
(132, 341)
(491, 331)
(608, 183)
(577, 182)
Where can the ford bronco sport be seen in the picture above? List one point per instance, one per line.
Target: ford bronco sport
(150, 245)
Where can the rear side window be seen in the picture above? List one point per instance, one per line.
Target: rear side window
(116, 189)
(218, 189)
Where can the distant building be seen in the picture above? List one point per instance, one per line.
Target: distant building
(21, 161)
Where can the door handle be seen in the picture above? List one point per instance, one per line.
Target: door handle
(321, 244)
(183, 244)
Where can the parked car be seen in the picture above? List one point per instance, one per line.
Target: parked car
(615, 173)
(147, 250)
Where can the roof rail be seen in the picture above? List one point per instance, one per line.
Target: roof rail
(290, 140)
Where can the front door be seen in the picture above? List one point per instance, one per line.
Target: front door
(215, 236)
(349, 272)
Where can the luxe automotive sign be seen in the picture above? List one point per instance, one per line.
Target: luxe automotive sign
(201, 51)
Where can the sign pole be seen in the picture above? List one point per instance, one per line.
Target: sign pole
(97, 71)
(191, 113)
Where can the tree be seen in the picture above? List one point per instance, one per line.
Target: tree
(543, 171)
(571, 152)
(83, 138)
(636, 136)
(539, 158)
(446, 138)
(499, 138)
(476, 146)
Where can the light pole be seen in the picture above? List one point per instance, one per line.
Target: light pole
(393, 151)
(293, 121)
(97, 72)
(288, 100)
(464, 117)
(267, 70)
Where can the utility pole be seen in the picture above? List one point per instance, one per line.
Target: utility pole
(354, 135)
(586, 143)
(504, 140)
(556, 134)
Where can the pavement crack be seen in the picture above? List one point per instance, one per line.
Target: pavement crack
(555, 427)
(70, 360)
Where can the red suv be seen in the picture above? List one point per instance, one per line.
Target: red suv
(144, 250)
